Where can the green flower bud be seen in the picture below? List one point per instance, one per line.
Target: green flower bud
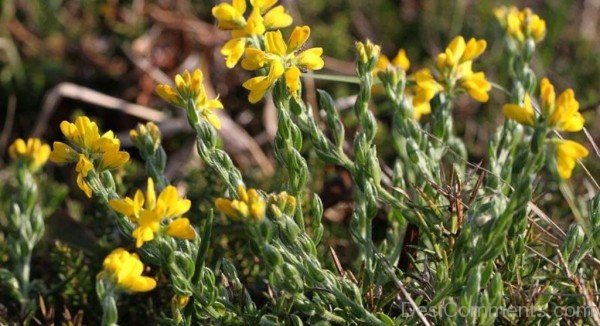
(497, 286)
(306, 307)
(368, 54)
(292, 280)
(528, 49)
(272, 256)
(573, 240)
(291, 230)
(269, 320)
(518, 93)
(413, 151)
(315, 272)
(530, 80)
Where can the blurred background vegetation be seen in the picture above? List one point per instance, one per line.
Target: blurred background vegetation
(60, 58)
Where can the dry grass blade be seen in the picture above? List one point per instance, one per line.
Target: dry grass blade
(8, 123)
(87, 95)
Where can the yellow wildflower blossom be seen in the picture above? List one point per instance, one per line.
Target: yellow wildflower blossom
(521, 24)
(455, 67)
(249, 205)
(426, 87)
(125, 270)
(522, 114)
(400, 61)
(83, 167)
(563, 113)
(84, 137)
(454, 72)
(567, 154)
(149, 212)
(281, 59)
(32, 152)
(90, 149)
(189, 87)
(181, 228)
(264, 16)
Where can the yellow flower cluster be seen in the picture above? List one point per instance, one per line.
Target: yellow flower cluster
(189, 87)
(400, 61)
(258, 38)
(454, 72)
(90, 149)
(150, 213)
(32, 152)
(264, 16)
(521, 24)
(281, 59)
(125, 270)
(249, 205)
(149, 129)
(282, 203)
(560, 113)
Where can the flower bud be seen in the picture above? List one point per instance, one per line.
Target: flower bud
(573, 240)
(292, 281)
(530, 80)
(269, 320)
(283, 203)
(315, 272)
(497, 285)
(595, 211)
(291, 230)
(412, 151)
(368, 54)
(528, 49)
(305, 306)
(146, 137)
(272, 256)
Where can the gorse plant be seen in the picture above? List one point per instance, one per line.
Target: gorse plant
(463, 244)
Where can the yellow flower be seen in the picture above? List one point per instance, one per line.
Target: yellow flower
(522, 24)
(181, 228)
(477, 86)
(84, 137)
(425, 88)
(399, 61)
(460, 53)
(89, 149)
(249, 205)
(189, 87)
(522, 114)
(125, 270)
(281, 59)
(83, 167)
(567, 154)
(563, 113)
(32, 152)
(263, 17)
(132, 206)
(455, 67)
(149, 212)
